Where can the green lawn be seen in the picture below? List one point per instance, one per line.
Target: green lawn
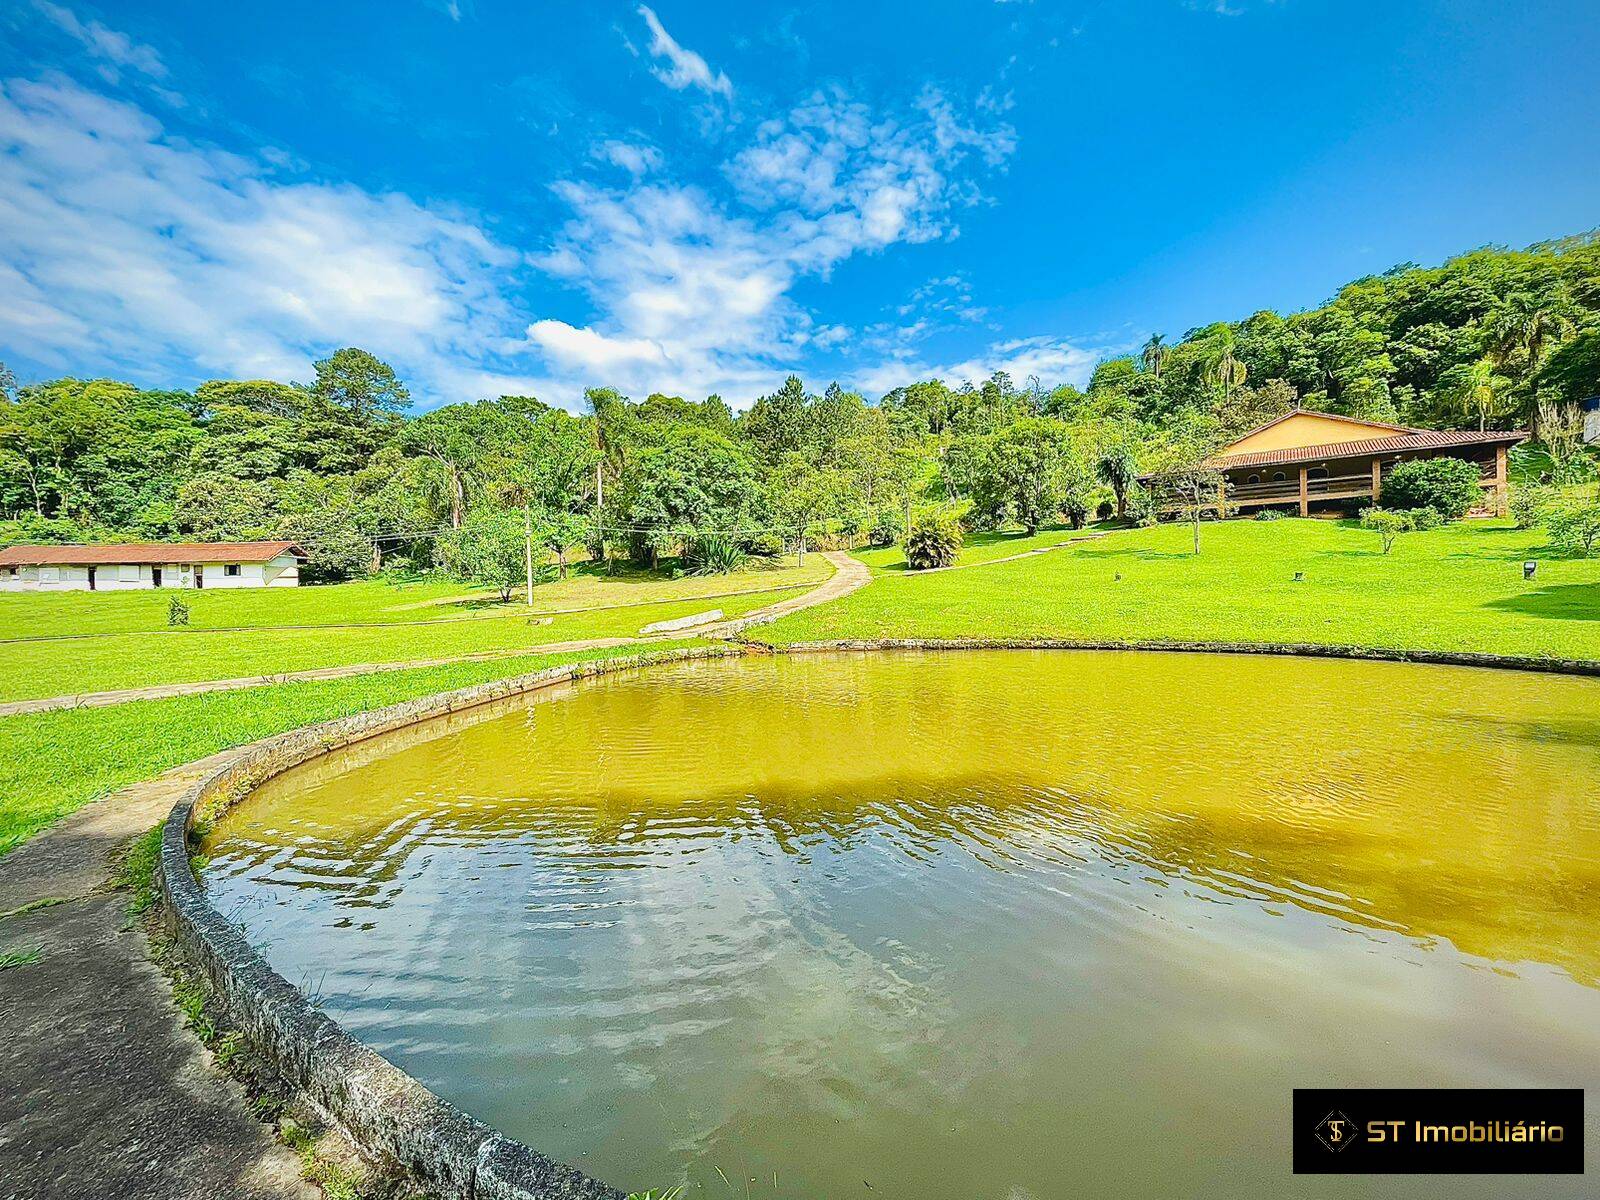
(55, 762)
(33, 669)
(375, 601)
(979, 548)
(1456, 588)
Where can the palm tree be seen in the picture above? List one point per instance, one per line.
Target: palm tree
(1154, 354)
(1527, 325)
(1224, 371)
(1117, 469)
(1476, 391)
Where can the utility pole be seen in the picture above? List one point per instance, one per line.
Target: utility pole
(527, 547)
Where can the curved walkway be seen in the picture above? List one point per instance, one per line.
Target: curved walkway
(104, 1091)
(849, 574)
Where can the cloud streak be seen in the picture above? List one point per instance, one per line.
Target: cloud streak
(679, 67)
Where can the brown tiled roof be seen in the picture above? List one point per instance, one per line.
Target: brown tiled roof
(1400, 443)
(155, 553)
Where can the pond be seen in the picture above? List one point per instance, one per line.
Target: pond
(999, 924)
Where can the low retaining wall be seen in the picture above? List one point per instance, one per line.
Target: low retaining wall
(386, 1111)
(1441, 658)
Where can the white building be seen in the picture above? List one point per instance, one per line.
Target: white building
(120, 568)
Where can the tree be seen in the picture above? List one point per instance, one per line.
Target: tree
(1153, 353)
(1020, 472)
(695, 481)
(1186, 481)
(214, 507)
(1387, 524)
(489, 549)
(1117, 467)
(1474, 389)
(360, 384)
(8, 383)
(1449, 486)
(1574, 525)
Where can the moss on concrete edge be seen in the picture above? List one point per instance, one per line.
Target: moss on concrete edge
(385, 1111)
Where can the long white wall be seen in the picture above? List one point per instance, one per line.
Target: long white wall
(282, 571)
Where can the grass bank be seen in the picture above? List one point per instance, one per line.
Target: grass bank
(386, 600)
(55, 762)
(30, 670)
(1453, 589)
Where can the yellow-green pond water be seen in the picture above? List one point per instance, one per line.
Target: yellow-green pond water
(1001, 925)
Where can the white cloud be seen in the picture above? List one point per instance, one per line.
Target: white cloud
(682, 68)
(114, 50)
(693, 296)
(136, 252)
(1051, 360)
(631, 157)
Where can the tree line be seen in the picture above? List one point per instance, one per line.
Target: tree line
(1493, 338)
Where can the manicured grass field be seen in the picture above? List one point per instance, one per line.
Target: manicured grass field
(34, 669)
(53, 763)
(1455, 588)
(375, 601)
(979, 548)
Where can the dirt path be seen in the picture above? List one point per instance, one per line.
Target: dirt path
(103, 1090)
(849, 574)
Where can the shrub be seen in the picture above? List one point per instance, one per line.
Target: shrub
(1270, 514)
(1575, 526)
(934, 541)
(1449, 486)
(1425, 519)
(177, 611)
(1528, 506)
(1387, 524)
(713, 554)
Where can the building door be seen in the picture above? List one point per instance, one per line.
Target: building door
(155, 576)
(199, 576)
(91, 579)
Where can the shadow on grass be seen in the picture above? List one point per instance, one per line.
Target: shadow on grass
(1562, 602)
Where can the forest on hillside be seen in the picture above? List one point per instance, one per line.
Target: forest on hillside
(1494, 338)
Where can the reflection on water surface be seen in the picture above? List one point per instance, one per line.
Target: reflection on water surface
(994, 924)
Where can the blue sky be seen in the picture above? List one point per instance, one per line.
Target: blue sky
(699, 197)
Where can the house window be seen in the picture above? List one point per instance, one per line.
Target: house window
(128, 572)
(231, 569)
(1277, 477)
(1317, 473)
(1254, 479)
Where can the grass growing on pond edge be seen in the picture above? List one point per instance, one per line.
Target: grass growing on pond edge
(1458, 588)
(53, 763)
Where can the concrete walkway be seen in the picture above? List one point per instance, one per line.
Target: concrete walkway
(849, 574)
(104, 1092)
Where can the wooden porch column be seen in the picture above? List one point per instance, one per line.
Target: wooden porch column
(1377, 481)
(1502, 500)
(1305, 502)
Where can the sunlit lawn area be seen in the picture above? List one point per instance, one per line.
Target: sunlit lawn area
(34, 669)
(979, 548)
(384, 600)
(54, 762)
(1456, 588)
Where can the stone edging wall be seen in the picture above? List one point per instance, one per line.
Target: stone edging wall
(1443, 658)
(385, 1111)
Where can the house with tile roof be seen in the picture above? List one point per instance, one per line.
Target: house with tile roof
(112, 568)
